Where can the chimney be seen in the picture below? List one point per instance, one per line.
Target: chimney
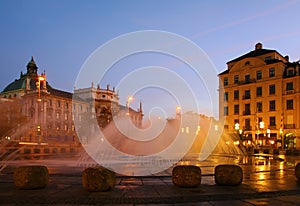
(287, 58)
(258, 46)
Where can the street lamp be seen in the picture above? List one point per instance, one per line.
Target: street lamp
(38, 84)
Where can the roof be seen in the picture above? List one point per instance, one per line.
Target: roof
(254, 53)
(16, 85)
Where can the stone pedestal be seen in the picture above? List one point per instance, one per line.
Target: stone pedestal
(228, 175)
(186, 176)
(98, 179)
(31, 177)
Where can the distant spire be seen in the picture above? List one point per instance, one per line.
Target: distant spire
(141, 107)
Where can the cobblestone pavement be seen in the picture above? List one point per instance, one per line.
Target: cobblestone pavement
(264, 183)
(66, 189)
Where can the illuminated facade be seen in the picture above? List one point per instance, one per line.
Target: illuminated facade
(51, 112)
(259, 98)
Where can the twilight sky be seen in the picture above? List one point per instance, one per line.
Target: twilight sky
(62, 34)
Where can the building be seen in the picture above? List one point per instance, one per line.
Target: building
(51, 113)
(259, 99)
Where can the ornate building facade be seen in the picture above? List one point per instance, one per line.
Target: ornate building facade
(51, 112)
(259, 98)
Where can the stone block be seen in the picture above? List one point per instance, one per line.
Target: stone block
(228, 175)
(297, 171)
(98, 179)
(186, 176)
(31, 177)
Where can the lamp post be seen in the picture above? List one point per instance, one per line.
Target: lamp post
(38, 127)
(38, 84)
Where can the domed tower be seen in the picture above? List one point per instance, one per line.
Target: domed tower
(32, 68)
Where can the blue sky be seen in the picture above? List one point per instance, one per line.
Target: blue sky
(61, 34)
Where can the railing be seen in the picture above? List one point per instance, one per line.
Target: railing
(290, 91)
(272, 126)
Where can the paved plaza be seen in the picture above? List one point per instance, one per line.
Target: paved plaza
(266, 182)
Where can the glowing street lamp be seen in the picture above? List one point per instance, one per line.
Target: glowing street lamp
(38, 84)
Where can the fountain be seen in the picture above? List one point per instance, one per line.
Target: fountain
(186, 139)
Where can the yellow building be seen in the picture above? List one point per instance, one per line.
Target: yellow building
(259, 99)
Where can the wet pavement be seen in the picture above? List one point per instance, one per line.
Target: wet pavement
(267, 181)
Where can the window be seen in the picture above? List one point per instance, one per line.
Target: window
(236, 79)
(289, 104)
(272, 121)
(247, 78)
(247, 124)
(50, 102)
(272, 105)
(272, 89)
(66, 116)
(247, 94)
(57, 115)
(225, 96)
(225, 81)
(290, 72)
(236, 94)
(272, 72)
(225, 111)
(258, 75)
(259, 106)
(289, 86)
(247, 63)
(236, 109)
(66, 105)
(247, 109)
(258, 91)
(58, 103)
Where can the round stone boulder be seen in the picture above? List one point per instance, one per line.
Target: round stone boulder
(297, 171)
(98, 179)
(230, 175)
(186, 176)
(31, 177)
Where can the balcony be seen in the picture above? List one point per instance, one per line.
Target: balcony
(289, 91)
(289, 126)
